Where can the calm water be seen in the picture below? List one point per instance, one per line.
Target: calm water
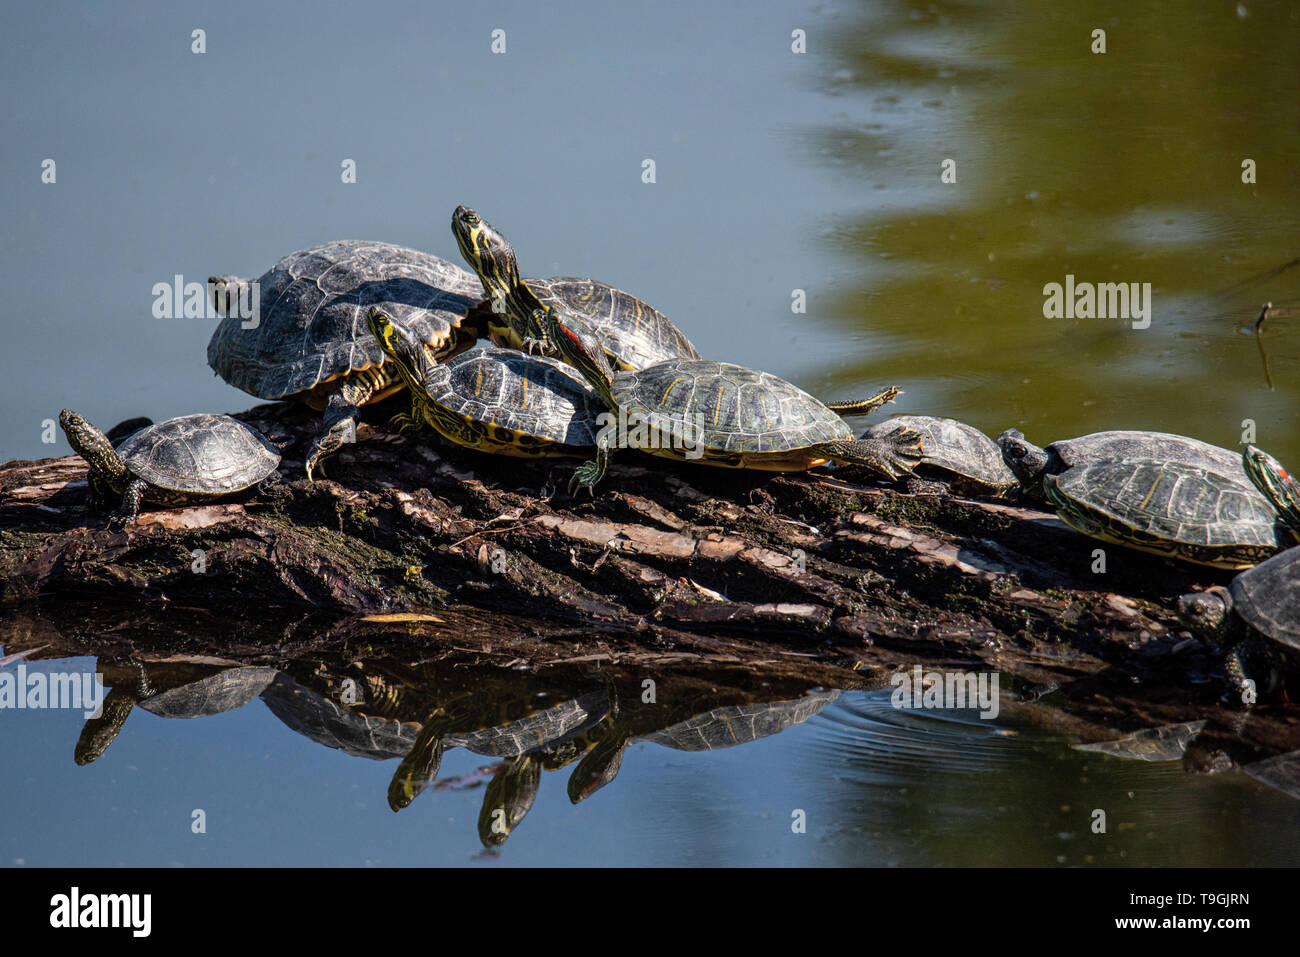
(775, 172)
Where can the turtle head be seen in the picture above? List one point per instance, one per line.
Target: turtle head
(581, 352)
(397, 347)
(1275, 483)
(106, 465)
(487, 251)
(1205, 612)
(385, 333)
(1024, 458)
(224, 291)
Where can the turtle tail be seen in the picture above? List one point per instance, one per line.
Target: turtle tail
(864, 406)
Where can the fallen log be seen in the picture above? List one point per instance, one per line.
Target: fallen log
(667, 555)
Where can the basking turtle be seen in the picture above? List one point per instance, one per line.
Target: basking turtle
(1185, 511)
(493, 400)
(1032, 464)
(957, 456)
(1256, 618)
(722, 414)
(308, 335)
(632, 333)
(187, 459)
(1168, 508)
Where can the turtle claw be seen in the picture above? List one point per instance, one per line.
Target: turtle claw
(403, 424)
(534, 346)
(584, 476)
(325, 445)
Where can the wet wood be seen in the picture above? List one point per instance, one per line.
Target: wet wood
(671, 558)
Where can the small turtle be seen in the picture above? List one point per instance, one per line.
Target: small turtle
(1032, 464)
(957, 456)
(191, 458)
(493, 400)
(722, 414)
(633, 334)
(310, 338)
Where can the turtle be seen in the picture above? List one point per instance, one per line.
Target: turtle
(493, 399)
(722, 414)
(1192, 512)
(1032, 464)
(633, 334)
(307, 337)
(1168, 508)
(1255, 618)
(187, 459)
(958, 457)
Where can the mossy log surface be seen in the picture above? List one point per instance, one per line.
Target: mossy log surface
(667, 554)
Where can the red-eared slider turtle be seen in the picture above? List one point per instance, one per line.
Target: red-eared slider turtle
(1032, 464)
(1256, 618)
(957, 456)
(493, 400)
(722, 414)
(632, 333)
(1170, 509)
(1184, 511)
(183, 460)
(310, 338)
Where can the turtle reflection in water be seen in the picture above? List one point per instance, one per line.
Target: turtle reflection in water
(519, 728)
(1185, 742)
(590, 728)
(711, 731)
(169, 691)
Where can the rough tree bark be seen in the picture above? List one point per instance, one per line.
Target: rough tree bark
(810, 576)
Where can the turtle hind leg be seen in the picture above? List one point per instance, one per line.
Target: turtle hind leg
(890, 458)
(132, 499)
(864, 406)
(589, 474)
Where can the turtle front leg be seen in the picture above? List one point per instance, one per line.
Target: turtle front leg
(589, 474)
(889, 458)
(404, 423)
(132, 499)
(1234, 666)
(410, 422)
(341, 412)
